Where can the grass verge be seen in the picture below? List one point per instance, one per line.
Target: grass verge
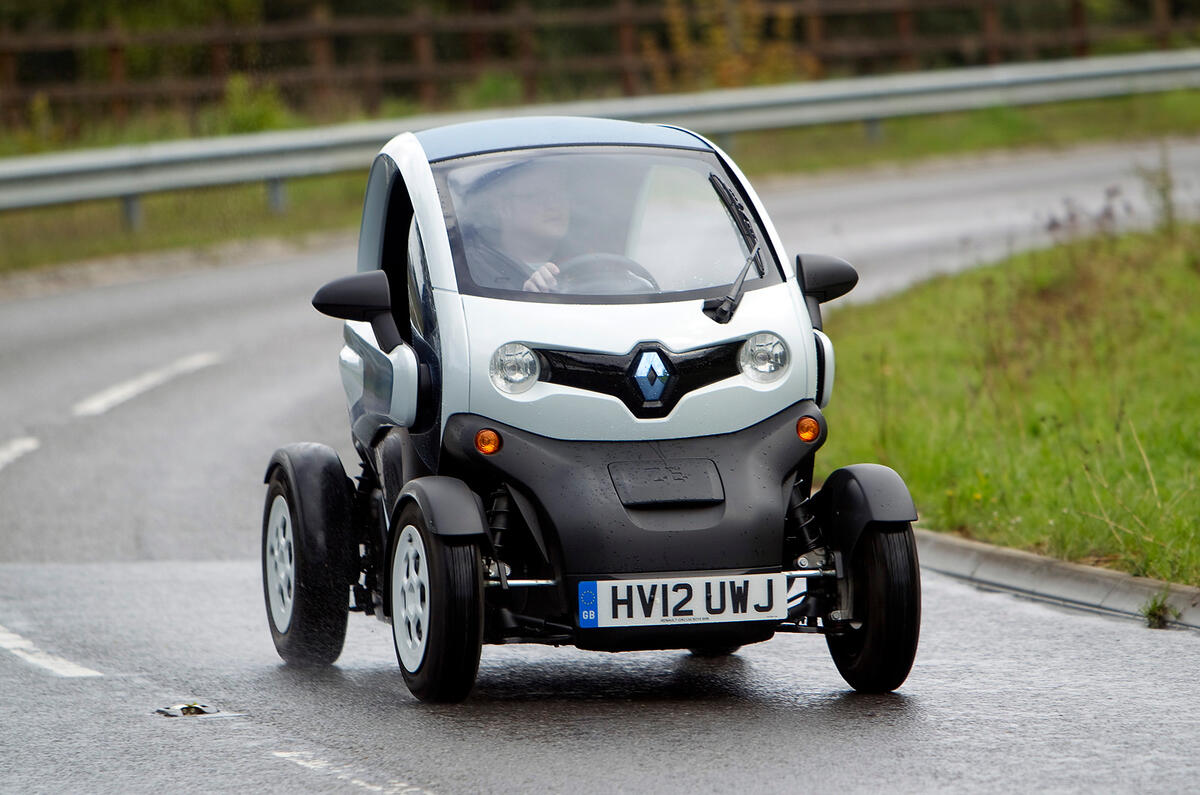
(1048, 403)
(32, 238)
(912, 138)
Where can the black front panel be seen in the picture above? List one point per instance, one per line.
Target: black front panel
(649, 380)
(684, 482)
(741, 526)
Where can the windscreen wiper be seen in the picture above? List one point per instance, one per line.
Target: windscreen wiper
(721, 309)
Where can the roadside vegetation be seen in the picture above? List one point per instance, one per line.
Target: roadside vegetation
(33, 238)
(184, 219)
(1047, 403)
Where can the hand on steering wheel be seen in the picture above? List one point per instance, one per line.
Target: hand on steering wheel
(542, 280)
(604, 272)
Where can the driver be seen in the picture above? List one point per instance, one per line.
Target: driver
(520, 215)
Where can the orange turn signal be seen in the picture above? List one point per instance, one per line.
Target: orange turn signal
(808, 429)
(487, 441)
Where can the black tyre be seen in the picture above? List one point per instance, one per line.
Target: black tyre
(435, 594)
(875, 654)
(713, 651)
(306, 554)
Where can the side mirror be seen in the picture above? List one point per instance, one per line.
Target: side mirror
(823, 278)
(365, 297)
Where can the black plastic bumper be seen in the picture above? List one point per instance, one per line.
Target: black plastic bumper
(710, 503)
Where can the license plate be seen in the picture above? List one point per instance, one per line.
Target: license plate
(682, 600)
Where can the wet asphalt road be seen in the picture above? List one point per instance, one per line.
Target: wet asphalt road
(128, 537)
(1005, 695)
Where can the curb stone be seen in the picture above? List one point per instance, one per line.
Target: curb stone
(1055, 581)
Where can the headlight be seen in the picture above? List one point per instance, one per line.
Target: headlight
(763, 358)
(514, 368)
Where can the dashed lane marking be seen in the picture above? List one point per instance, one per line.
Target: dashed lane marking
(16, 448)
(127, 390)
(346, 774)
(24, 648)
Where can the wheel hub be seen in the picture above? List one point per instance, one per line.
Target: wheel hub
(280, 563)
(410, 598)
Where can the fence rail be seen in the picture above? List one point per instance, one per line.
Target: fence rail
(636, 45)
(131, 171)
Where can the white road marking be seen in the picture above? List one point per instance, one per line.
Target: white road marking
(343, 773)
(24, 648)
(16, 448)
(118, 394)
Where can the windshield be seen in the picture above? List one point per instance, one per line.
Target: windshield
(592, 223)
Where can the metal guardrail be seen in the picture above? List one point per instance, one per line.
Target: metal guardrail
(129, 172)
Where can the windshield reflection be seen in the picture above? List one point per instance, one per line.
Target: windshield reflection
(627, 223)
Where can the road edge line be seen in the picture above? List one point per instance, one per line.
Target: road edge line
(1050, 580)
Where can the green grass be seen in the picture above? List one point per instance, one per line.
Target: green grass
(67, 234)
(913, 138)
(1158, 612)
(1048, 403)
(31, 238)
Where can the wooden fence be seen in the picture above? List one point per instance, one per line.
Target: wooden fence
(630, 46)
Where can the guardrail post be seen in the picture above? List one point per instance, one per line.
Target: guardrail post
(131, 211)
(276, 196)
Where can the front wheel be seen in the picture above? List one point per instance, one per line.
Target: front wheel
(874, 654)
(435, 593)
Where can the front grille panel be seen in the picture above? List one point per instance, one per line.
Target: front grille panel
(617, 374)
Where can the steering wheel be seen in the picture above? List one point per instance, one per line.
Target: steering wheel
(604, 272)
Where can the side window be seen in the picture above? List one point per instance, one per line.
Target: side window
(420, 295)
(394, 254)
(375, 210)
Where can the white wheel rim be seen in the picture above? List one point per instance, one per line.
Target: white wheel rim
(410, 599)
(279, 557)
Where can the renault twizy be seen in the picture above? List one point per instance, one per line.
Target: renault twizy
(585, 386)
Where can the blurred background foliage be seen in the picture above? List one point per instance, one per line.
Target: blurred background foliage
(136, 69)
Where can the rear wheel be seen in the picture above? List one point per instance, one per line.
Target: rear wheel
(874, 654)
(305, 547)
(435, 593)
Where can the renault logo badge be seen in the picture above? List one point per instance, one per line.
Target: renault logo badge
(651, 375)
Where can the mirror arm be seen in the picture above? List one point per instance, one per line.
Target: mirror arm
(386, 332)
(362, 297)
(810, 301)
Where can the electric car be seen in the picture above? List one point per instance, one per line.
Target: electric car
(585, 387)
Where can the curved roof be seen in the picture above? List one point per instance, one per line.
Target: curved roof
(493, 135)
